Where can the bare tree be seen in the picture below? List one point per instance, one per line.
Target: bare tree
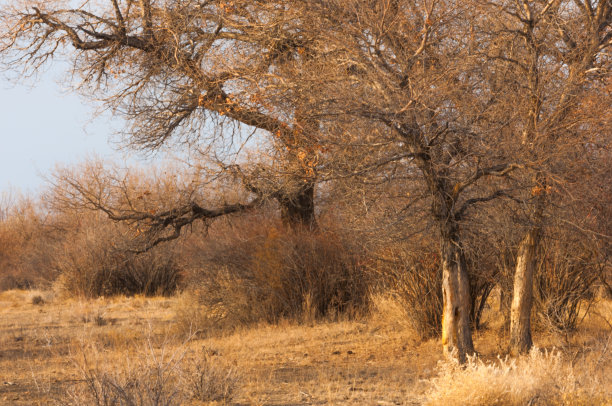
(465, 96)
(410, 73)
(156, 205)
(183, 72)
(554, 54)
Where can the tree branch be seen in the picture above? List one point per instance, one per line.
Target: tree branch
(470, 202)
(497, 170)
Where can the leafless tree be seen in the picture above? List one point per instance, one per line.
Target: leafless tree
(157, 204)
(410, 72)
(474, 100)
(554, 56)
(195, 72)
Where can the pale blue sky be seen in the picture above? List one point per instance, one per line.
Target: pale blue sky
(42, 125)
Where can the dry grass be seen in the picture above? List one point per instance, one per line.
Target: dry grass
(541, 377)
(38, 342)
(150, 372)
(57, 353)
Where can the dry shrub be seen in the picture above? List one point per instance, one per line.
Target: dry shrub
(38, 300)
(409, 277)
(152, 375)
(482, 260)
(94, 263)
(410, 289)
(298, 272)
(540, 378)
(567, 271)
(261, 271)
(26, 237)
(209, 381)
(220, 301)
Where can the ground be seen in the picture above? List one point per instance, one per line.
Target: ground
(49, 347)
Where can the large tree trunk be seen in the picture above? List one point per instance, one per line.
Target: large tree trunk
(456, 332)
(298, 211)
(522, 298)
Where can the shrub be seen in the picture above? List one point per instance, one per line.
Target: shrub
(93, 263)
(210, 381)
(150, 377)
(297, 273)
(409, 276)
(38, 300)
(26, 238)
(410, 286)
(566, 273)
(266, 273)
(484, 273)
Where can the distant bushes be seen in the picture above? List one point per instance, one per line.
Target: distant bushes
(108, 272)
(27, 237)
(83, 253)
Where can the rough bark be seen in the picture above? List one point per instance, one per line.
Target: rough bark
(520, 314)
(456, 332)
(298, 211)
(522, 297)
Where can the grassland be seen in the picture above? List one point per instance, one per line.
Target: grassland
(67, 351)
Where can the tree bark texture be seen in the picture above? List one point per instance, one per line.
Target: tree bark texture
(522, 298)
(456, 332)
(298, 211)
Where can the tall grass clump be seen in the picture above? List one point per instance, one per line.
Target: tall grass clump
(539, 378)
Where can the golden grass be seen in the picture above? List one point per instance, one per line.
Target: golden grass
(49, 351)
(541, 377)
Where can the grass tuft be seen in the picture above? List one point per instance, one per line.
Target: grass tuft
(38, 300)
(539, 378)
